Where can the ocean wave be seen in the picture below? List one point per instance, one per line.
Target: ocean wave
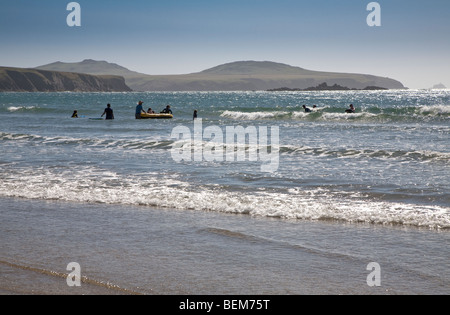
(415, 155)
(20, 108)
(255, 115)
(88, 142)
(93, 185)
(371, 114)
(439, 110)
(28, 109)
(139, 144)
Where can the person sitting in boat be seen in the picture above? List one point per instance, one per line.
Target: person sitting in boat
(351, 110)
(150, 111)
(167, 110)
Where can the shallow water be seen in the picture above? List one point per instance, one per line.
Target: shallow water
(141, 250)
(388, 163)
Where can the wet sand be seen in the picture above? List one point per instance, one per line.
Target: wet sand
(142, 250)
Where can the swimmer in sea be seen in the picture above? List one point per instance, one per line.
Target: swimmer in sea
(307, 110)
(351, 110)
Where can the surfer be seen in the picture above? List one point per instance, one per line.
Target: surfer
(195, 114)
(139, 110)
(307, 110)
(75, 114)
(351, 110)
(108, 112)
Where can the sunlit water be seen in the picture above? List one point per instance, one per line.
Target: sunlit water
(342, 181)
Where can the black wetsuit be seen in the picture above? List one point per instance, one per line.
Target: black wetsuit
(109, 113)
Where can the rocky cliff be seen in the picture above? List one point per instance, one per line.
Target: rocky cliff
(33, 80)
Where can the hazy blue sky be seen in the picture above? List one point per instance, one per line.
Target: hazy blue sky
(185, 36)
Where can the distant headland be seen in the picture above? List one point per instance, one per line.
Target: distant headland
(34, 80)
(235, 76)
(91, 75)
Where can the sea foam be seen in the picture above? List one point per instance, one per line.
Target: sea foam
(93, 185)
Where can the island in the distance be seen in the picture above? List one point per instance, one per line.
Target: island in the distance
(438, 86)
(325, 87)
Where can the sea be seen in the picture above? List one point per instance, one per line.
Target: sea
(291, 203)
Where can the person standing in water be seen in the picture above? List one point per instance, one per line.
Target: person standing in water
(139, 110)
(195, 114)
(108, 112)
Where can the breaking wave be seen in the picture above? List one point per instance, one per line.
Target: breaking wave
(371, 114)
(137, 144)
(94, 185)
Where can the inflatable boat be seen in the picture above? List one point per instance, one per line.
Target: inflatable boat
(156, 116)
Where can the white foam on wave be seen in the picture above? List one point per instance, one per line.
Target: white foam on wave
(417, 155)
(135, 144)
(296, 115)
(253, 115)
(435, 110)
(19, 108)
(300, 115)
(345, 116)
(91, 185)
